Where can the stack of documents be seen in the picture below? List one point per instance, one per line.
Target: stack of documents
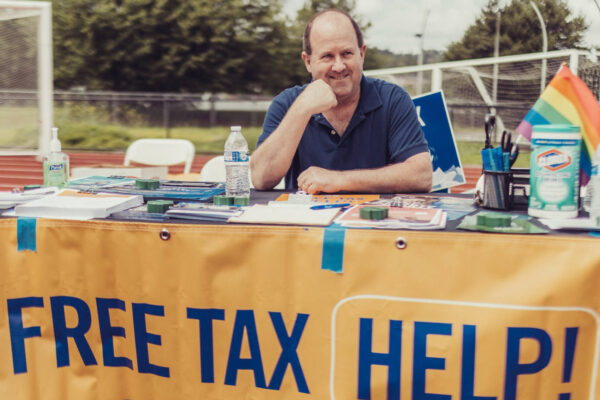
(11, 199)
(286, 214)
(71, 204)
(398, 218)
(203, 212)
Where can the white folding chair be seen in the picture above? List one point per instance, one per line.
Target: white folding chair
(214, 171)
(161, 152)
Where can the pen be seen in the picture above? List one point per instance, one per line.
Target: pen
(325, 206)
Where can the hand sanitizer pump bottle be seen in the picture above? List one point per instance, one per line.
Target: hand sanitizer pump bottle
(56, 164)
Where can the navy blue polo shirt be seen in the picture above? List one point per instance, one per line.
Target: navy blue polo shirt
(383, 130)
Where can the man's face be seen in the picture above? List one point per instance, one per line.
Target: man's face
(336, 57)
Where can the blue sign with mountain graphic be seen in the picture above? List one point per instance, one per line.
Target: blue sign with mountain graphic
(434, 119)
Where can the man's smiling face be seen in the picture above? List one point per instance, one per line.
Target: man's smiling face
(336, 57)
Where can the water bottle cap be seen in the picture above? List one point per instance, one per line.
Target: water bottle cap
(236, 128)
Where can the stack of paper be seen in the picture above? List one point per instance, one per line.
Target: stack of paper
(71, 204)
(11, 199)
(203, 212)
(290, 214)
(398, 218)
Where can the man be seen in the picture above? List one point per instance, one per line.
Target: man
(342, 131)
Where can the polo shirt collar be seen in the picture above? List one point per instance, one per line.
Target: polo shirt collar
(369, 97)
(369, 101)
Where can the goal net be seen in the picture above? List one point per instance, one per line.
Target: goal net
(25, 76)
(506, 86)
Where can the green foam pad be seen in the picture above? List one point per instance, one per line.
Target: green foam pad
(159, 206)
(147, 183)
(241, 201)
(223, 200)
(373, 212)
(494, 220)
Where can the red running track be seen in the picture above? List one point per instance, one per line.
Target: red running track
(18, 170)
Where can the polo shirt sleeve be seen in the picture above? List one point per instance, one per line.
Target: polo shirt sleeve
(406, 136)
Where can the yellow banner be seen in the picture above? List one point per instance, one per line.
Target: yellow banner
(116, 310)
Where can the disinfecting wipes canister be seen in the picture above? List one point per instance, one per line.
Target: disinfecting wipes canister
(554, 174)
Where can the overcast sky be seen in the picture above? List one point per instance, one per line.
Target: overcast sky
(395, 22)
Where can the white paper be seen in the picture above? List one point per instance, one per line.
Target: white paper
(291, 214)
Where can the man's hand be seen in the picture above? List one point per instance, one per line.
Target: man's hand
(316, 180)
(410, 176)
(317, 97)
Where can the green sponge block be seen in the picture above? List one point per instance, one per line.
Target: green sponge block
(241, 201)
(147, 183)
(494, 220)
(373, 213)
(222, 200)
(159, 206)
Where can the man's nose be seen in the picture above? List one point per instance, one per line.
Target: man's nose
(338, 64)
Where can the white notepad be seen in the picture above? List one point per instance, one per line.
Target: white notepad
(296, 214)
(71, 204)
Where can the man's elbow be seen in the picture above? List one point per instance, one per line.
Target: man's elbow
(424, 178)
(258, 182)
(426, 183)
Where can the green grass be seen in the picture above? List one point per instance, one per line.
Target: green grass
(470, 154)
(88, 127)
(206, 140)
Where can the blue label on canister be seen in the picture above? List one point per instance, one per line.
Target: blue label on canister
(554, 172)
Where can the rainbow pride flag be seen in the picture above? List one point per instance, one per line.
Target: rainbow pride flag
(567, 100)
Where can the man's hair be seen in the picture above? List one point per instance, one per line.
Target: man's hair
(306, 38)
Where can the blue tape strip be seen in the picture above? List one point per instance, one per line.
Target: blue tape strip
(26, 234)
(333, 248)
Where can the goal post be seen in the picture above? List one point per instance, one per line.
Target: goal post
(40, 14)
(506, 86)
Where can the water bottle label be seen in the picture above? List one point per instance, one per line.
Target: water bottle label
(236, 156)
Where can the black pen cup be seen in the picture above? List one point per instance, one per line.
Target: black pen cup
(496, 190)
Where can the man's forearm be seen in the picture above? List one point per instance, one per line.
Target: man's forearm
(272, 159)
(412, 175)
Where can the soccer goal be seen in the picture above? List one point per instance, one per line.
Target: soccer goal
(25, 77)
(506, 86)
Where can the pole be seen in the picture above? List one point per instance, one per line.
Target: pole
(420, 57)
(46, 88)
(496, 55)
(544, 45)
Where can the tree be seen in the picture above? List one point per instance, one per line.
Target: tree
(234, 46)
(520, 30)
(169, 45)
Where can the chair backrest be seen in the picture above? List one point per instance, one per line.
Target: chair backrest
(214, 171)
(161, 152)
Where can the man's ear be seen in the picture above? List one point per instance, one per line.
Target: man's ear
(363, 51)
(306, 59)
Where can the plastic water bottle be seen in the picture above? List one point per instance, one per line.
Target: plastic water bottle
(593, 187)
(237, 164)
(56, 164)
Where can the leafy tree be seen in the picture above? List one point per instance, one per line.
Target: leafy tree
(234, 46)
(169, 45)
(520, 30)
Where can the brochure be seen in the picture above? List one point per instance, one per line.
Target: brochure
(398, 218)
(71, 204)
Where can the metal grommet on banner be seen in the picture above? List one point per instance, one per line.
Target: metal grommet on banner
(401, 243)
(164, 234)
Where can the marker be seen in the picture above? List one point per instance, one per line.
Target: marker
(326, 206)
